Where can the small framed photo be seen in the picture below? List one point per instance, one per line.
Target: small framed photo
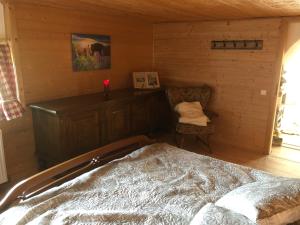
(152, 80)
(145, 80)
(139, 80)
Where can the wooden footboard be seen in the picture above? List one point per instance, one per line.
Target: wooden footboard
(67, 170)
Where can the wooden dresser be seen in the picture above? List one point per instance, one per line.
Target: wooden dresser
(67, 127)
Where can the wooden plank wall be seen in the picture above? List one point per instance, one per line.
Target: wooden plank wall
(183, 57)
(44, 38)
(45, 51)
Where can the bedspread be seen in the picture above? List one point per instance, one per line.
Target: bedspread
(157, 184)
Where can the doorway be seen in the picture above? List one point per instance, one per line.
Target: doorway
(287, 128)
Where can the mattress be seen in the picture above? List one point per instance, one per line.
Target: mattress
(157, 184)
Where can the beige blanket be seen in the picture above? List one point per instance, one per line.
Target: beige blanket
(158, 184)
(191, 113)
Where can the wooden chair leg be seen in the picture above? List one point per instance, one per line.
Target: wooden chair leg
(205, 142)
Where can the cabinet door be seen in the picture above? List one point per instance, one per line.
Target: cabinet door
(81, 133)
(47, 138)
(118, 121)
(140, 122)
(160, 116)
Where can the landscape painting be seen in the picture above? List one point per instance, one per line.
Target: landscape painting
(90, 52)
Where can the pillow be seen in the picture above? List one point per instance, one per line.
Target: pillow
(266, 202)
(211, 214)
(191, 113)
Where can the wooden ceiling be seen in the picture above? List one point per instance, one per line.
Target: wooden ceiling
(182, 10)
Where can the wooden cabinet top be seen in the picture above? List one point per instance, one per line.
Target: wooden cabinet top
(89, 101)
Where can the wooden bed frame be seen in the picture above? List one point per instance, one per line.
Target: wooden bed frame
(67, 170)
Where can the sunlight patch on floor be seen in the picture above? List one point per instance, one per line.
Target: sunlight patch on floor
(286, 153)
(291, 141)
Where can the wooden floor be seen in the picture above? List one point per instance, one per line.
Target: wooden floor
(281, 161)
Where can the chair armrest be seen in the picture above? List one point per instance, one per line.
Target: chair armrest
(210, 114)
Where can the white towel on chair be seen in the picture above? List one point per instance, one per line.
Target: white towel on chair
(191, 113)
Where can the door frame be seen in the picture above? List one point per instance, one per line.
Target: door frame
(276, 81)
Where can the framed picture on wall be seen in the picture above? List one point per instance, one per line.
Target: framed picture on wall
(90, 52)
(145, 80)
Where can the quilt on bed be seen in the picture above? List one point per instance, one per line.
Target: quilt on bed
(157, 184)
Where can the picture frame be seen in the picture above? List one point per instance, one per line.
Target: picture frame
(90, 52)
(145, 80)
(139, 80)
(152, 80)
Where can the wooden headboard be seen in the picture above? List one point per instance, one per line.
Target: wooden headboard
(67, 170)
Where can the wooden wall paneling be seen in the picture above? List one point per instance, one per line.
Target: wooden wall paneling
(182, 55)
(18, 141)
(174, 10)
(44, 37)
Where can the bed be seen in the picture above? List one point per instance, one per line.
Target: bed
(132, 182)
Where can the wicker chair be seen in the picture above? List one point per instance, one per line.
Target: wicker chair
(190, 94)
